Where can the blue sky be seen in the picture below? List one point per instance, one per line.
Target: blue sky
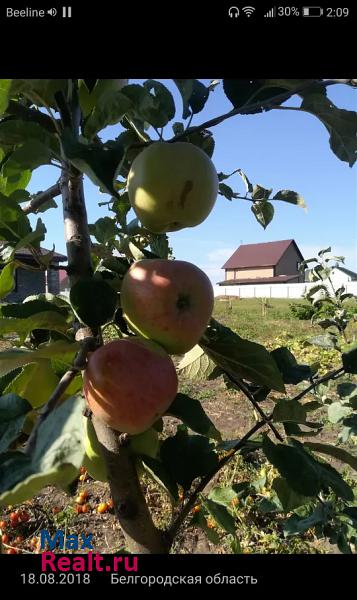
(279, 150)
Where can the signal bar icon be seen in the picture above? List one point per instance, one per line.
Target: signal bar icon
(271, 12)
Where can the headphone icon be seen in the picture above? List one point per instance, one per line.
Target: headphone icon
(233, 12)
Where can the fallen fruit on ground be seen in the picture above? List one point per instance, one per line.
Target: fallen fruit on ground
(102, 507)
(168, 301)
(172, 186)
(129, 384)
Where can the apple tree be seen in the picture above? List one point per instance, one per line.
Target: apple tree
(68, 398)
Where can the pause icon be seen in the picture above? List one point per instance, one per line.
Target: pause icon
(271, 12)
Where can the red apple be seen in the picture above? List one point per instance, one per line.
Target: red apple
(168, 301)
(130, 383)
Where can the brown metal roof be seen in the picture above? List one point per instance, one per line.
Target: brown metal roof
(266, 254)
(258, 281)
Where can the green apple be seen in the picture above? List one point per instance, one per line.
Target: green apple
(146, 443)
(172, 186)
(93, 460)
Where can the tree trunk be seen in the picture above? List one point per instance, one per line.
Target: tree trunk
(141, 535)
(130, 506)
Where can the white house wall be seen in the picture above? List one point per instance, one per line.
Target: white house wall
(278, 290)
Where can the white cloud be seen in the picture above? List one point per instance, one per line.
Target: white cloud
(220, 255)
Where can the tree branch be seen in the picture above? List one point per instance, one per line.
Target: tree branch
(205, 480)
(331, 375)
(41, 198)
(240, 385)
(87, 345)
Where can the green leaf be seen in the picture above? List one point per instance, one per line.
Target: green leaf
(261, 193)
(186, 457)
(296, 524)
(163, 104)
(29, 156)
(328, 340)
(57, 456)
(13, 411)
(199, 520)
(14, 132)
(44, 320)
(101, 163)
(288, 498)
(41, 91)
(341, 125)
(242, 92)
(334, 451)
(5, 85)
(7, 279)
(34, 237)
(290, 197)
(197, 365)
(337, 411)
(203, 139)
(226, 191)
(157, 471)
(31, 307)
(289, 411)
(35, 383)
(14, 224)
(294, 429)
(102, 305)
(223, 495)
(9, 185)
(160, 245)
(241, 358)
(291, 371)
(349, 358)
(109, 109)
(221, 515)
(263, 212)
(14, 358)
(190, 412)
(104, 229)
(304, 474)
(194, 96)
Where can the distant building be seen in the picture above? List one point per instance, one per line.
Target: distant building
(28, 283)
(265, 263)
(339, 276)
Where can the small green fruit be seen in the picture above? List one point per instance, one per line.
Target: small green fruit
(146, 443)
(93, 460)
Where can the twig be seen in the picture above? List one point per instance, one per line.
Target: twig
(205, 480)
(240, 385)
(243, 110)
(88, 344)
(41, 198)
(331, 375)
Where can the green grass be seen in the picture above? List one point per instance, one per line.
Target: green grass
(245, 317)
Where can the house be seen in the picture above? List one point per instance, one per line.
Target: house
(30, 282)
(339, 276)
(265, 263)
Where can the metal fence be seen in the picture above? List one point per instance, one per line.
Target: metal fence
(278, 290)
